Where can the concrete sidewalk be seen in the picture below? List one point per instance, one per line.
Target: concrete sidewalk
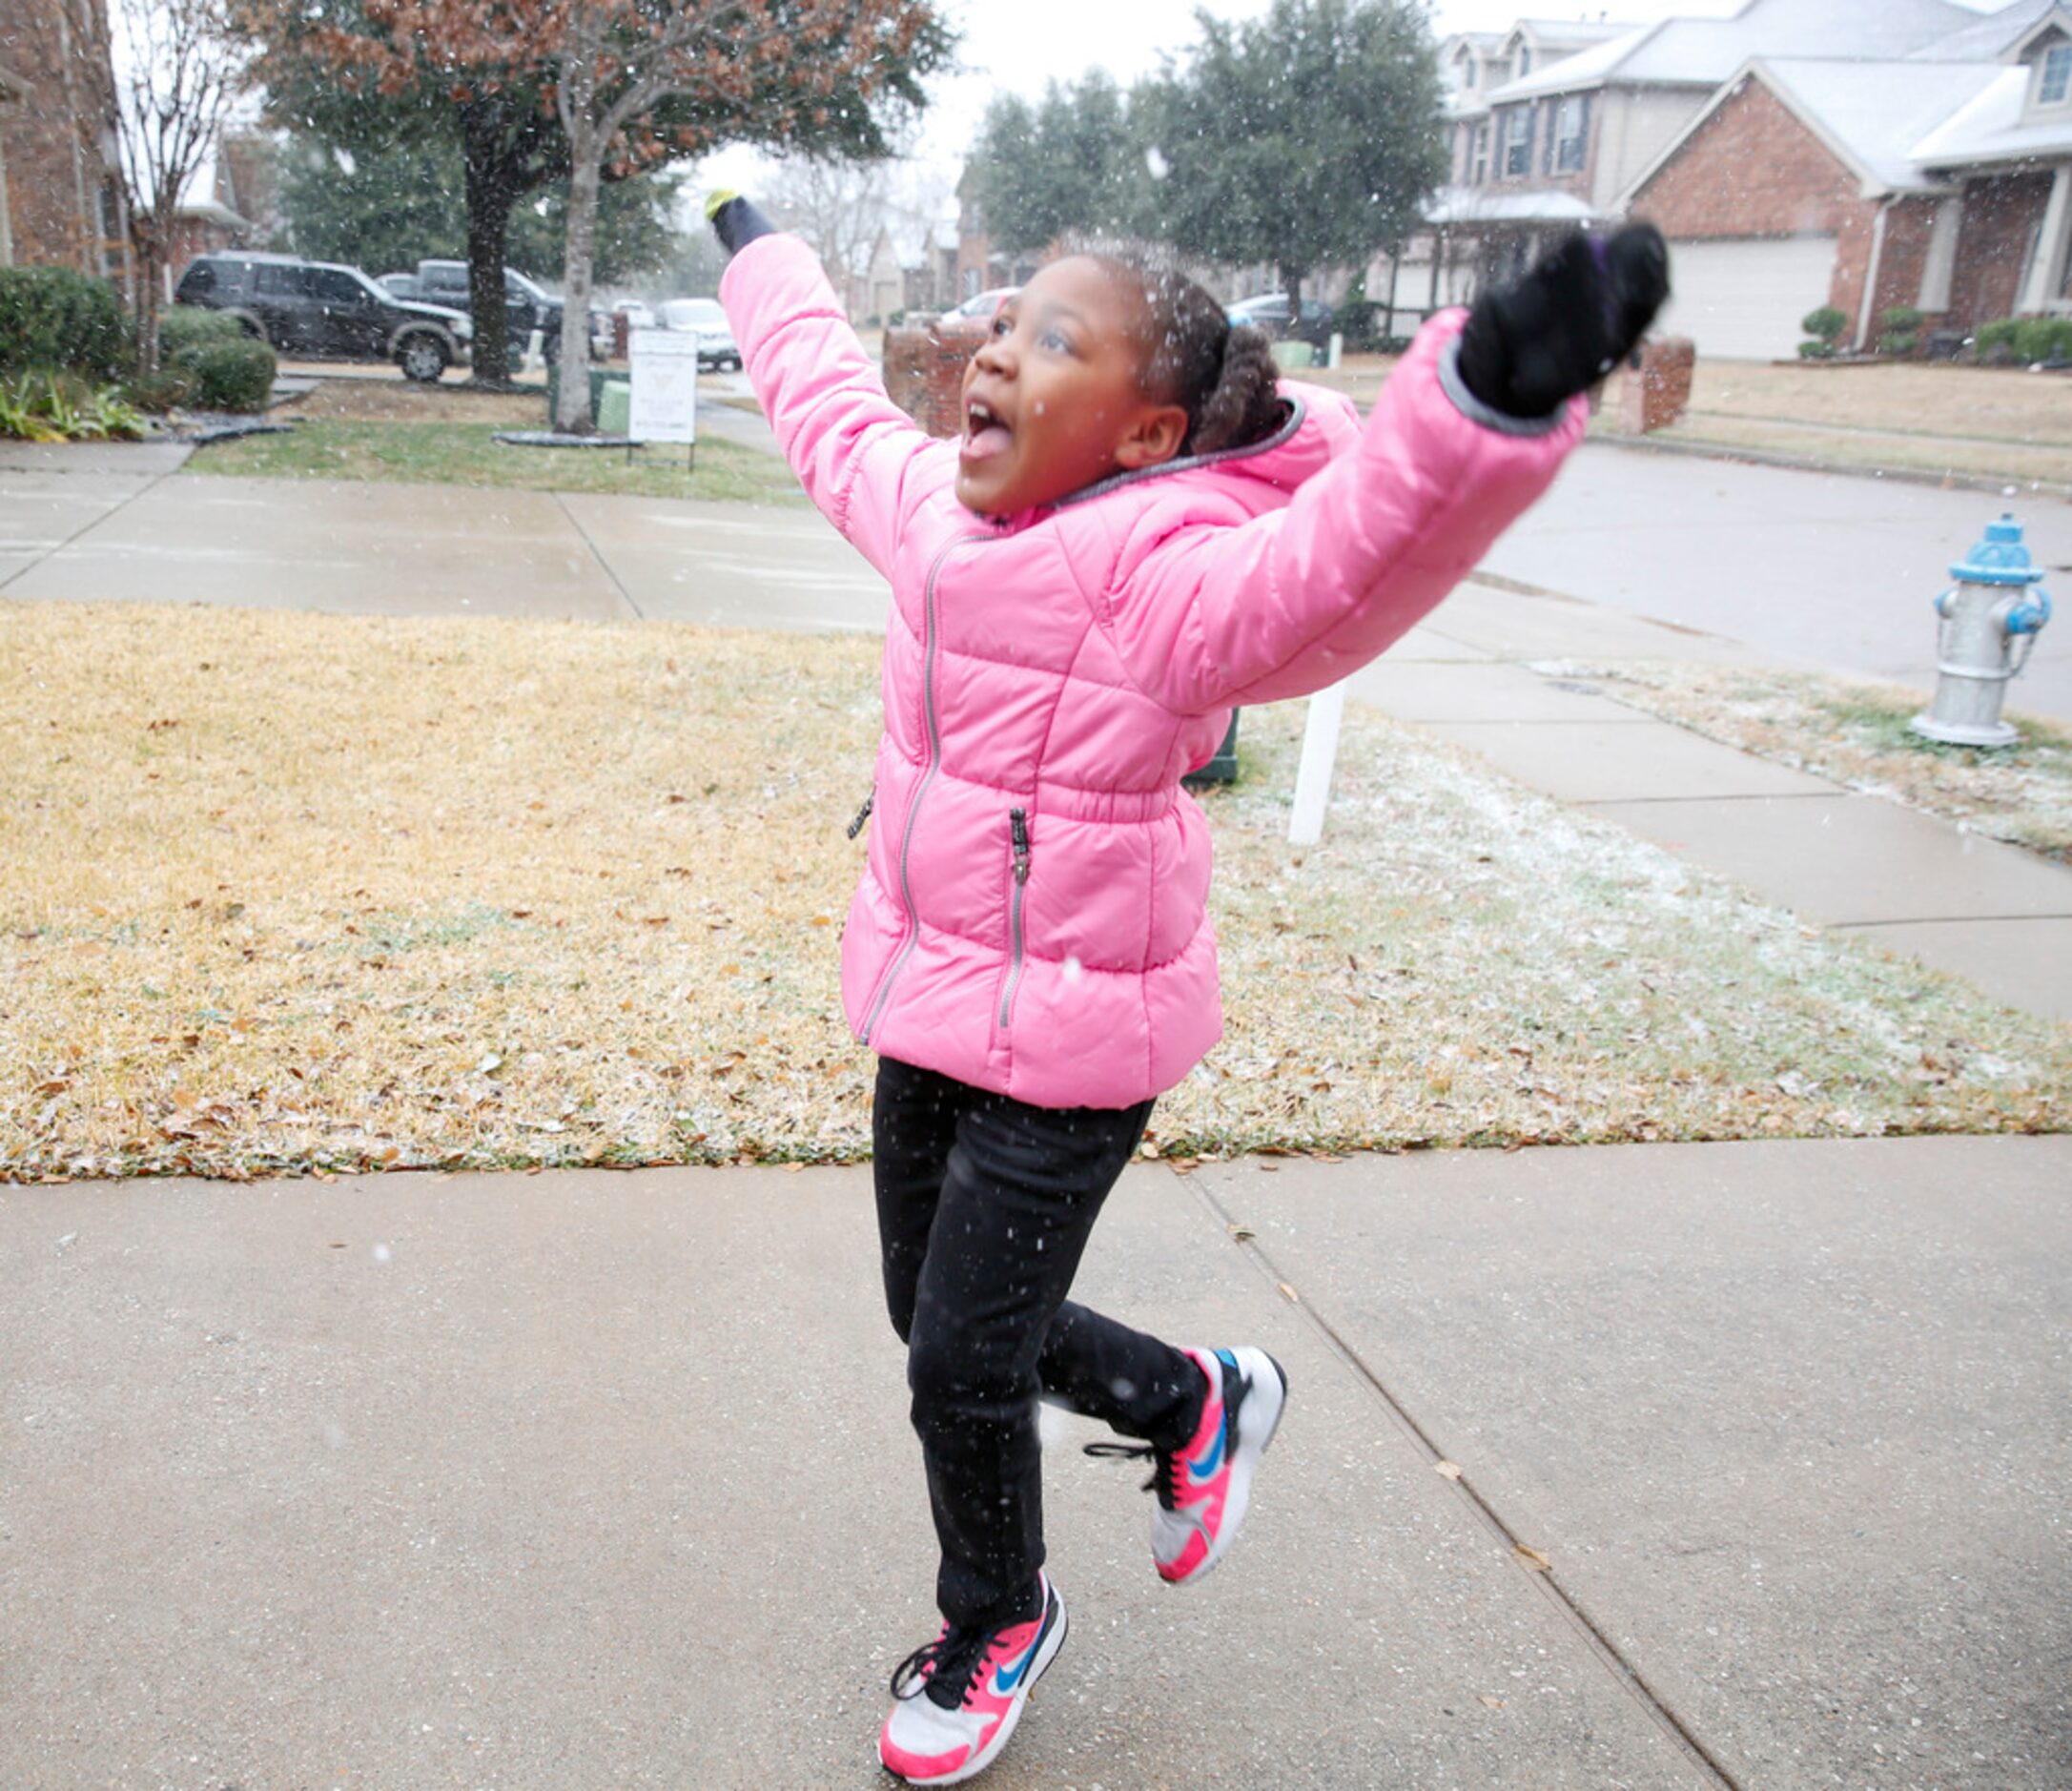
(602, 1480)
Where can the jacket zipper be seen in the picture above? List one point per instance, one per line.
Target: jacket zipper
(913, 808)
(1017, 821)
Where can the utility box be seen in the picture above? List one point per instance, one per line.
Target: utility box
(1658, 392)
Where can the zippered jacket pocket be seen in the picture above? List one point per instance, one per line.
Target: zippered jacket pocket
(1017, 831)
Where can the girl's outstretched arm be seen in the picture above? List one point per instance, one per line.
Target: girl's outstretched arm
(852, 448)
(1468, 432)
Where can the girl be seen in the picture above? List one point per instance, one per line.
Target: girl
(1138, 529)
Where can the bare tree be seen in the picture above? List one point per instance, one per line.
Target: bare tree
(178, 71)
(774, 71)
(837, 206)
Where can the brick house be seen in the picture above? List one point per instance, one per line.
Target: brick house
(2008, 156)
(1939, 180)
(1552, 124)
(60, 187)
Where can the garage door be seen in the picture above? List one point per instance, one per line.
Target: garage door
(1743, 300)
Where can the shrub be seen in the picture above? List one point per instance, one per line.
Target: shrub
(49, 404)
(1360, 323)
(2042, 339)
(1826, 324)
(51, 316)
(1816, 351)
(229, 375)
(167, 389)
(1899, 319)
(1899, 344)
(188, 326)
(1994, 344)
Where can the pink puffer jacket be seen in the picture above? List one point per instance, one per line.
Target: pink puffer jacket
(1033, 918)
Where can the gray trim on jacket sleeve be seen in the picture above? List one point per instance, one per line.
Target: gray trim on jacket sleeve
(1489, 416)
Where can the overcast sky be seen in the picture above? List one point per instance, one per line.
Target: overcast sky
(1017, 46)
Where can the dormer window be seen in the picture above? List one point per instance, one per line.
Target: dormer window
(1525, 61)
(2057, 78)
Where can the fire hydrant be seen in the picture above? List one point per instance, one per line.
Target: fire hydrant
(1990, 607)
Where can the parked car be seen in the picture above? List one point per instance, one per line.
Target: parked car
(528, 306)
(980, 306)
(1268, 311)
(716, 344)
(317, 310)
(638, 316)
(401, 285)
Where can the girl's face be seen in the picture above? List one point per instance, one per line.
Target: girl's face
(1051, 400)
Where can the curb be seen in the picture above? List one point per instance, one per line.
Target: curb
(1849, 469)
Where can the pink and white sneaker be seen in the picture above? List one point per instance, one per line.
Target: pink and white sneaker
(1204, 1488)
(958, 1698)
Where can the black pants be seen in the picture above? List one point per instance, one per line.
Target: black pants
(984, 1208)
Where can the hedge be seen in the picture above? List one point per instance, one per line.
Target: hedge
(51, 316)
(188, 326)
(229, 375)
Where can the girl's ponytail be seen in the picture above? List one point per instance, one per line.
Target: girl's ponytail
(1243, 406)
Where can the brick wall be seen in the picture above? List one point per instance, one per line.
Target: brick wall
(50, 138)
(2001, 215)
(1752, 170)
(1908, 224)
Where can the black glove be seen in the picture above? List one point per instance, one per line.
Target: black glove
(736, 221)
(1575, 315)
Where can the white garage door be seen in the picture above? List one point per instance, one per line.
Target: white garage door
(1743, 300)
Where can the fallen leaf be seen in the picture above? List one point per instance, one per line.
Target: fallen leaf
(1494, 1703)
(1533, 1558)
(1451, 1468)
(1243, 1234)
(1289, 1294)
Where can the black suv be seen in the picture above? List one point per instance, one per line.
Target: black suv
(528, 306)
(317, 310)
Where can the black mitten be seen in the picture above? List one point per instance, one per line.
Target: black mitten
(1575, 315)
(735, 222)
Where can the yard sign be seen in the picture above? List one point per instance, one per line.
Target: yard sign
(664, 404)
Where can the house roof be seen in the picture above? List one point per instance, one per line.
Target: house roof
(1869, 114)
(1989, 128)
(1479, 205)
(1877, 111)
(1990, 37)
(1703, 52)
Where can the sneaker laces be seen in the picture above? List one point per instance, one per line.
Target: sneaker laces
(943, 1668)
(1164, 1469)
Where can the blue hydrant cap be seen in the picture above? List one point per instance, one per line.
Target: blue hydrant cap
(1999, 559)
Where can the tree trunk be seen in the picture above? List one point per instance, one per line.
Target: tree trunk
(1291, 282)
(572, 408)
(150, 264)
(490, 196)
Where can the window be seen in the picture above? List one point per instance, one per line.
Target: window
(275, 281)
(2057, 75)
(1568, 137)
(198, 283)
(1518, 140)
(1525, 62)
(335, 287)
(1480, 159)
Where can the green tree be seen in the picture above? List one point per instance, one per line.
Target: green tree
(1307, 138)
(1070, 163)
(386, 209)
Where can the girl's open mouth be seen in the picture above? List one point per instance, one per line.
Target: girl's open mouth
(985, 435)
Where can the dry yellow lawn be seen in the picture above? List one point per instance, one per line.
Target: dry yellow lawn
(289, 893)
